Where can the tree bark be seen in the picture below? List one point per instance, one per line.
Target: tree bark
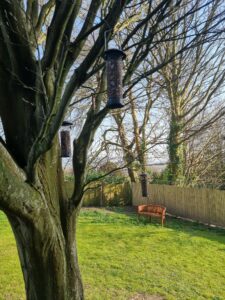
(48, 261)
(128, 153)
(176, 152)
(42, 218)
(45, 231)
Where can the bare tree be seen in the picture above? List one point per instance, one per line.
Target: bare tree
(49, 50)
(192, 84)
(139, 131)
(205, 164)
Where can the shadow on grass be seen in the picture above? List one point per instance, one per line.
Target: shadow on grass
(128, 215)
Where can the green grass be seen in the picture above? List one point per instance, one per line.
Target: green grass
(121, 257)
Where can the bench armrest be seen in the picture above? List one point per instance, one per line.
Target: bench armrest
(141, 208)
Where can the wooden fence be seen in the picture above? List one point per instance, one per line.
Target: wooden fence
(105, 195)
(203, 205)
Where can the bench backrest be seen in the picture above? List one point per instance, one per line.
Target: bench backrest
(153, 208)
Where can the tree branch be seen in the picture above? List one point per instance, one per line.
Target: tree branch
(43, 14)
(63, 11)
(16, 196)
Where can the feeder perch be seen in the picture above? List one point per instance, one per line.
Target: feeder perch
(65, 140)
(144, 184)
(114, 66)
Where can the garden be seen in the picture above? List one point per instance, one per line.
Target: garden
(122, 257)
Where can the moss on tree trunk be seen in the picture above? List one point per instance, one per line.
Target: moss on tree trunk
(48, 260)
(45, 230)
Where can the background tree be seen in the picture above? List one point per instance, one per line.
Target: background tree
(138, 131)
(191, 84)
(205, 158)
(49, 50)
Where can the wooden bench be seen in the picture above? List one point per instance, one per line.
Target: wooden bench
(152, 210)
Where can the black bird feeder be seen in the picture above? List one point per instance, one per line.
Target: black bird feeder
(114, 66)
(65, 140)
(144, 184)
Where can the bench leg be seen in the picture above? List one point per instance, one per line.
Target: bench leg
(162, 221)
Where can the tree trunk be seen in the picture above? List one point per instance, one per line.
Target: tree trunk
(46, 238)
(48, 261)
(176, 153)
(132, 175)
(128, 154)
(42, 218)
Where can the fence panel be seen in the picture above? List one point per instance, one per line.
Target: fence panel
(203, 205)
(105, 194)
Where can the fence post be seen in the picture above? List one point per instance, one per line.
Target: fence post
(102, 195)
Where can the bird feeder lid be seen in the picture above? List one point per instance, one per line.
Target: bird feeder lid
(114, 53)
(66, 123)
(143, 175)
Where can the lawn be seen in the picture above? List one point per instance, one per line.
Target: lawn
(123, 258)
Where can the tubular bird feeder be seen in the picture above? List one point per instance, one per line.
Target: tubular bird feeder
(65, 139)
(144, 184)
(114, 66)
